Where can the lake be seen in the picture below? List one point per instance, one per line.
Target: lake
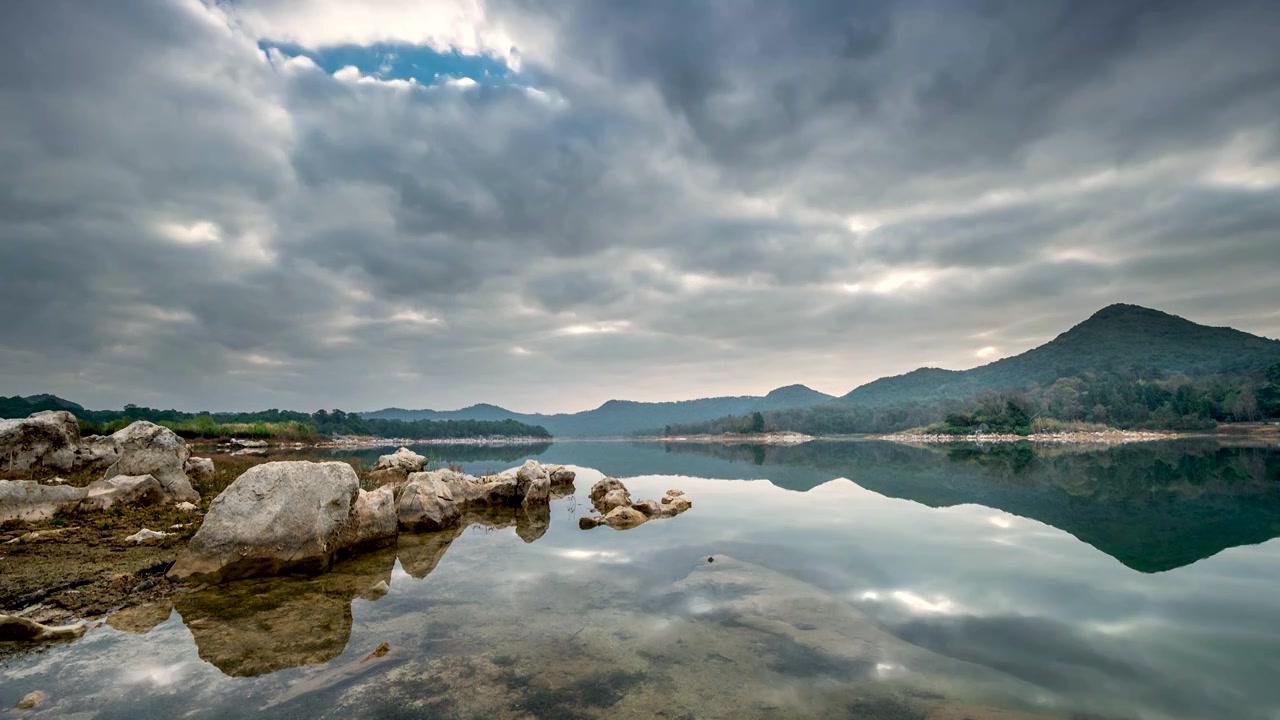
(851, 579)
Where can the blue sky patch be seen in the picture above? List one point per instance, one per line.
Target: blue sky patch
(402, 61)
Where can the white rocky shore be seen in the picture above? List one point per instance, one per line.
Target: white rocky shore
(142, 464)
(1107, 437)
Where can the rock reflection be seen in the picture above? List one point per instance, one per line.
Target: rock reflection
(262, 625)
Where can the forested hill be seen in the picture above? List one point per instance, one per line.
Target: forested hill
(625, 417)
(1117, 338)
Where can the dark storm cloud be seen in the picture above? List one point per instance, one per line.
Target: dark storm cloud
(664, 200)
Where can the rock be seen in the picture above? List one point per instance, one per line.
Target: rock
(490, 490)
(141, 619)
(30, 501)
(255, 444)
(144, 535)
(186, 507)
(149, 449)
(373, 519)
(48, 439)
(388, 476)
(676, 504)
(97, 452)
(55, 481)
(17, 628)
(537, 492)
(586, 522)
(426, 503)
(533, 521)
(277, 516)
(378, 590)
(608, 494)
(31, 699)
(648, 508)
(131, 490)
(623, 518)
(420, 554)
(199, 469)
(528, 474)
(675, 493)
(560, 475)
(402, 459)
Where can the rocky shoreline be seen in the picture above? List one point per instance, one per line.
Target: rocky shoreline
(276, 518)
(1109, 437)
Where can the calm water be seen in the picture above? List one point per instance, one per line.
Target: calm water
(851, 580)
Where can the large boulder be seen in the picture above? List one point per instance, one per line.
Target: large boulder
(608, 494)
(490, 490)
(29, 500)
(46, 439)
(533, 484)
(402, 459)
(276, 517)
(426, 502)
(123, 490)
(373, 519)
(149, 449)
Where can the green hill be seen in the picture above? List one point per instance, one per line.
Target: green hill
(1115, 338)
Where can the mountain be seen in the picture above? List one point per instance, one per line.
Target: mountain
(18, 406)
(625, 417)
(1116, 337)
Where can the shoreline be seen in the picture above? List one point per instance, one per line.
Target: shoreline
(1104, 437)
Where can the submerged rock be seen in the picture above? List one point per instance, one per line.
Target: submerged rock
(123, 490)
(31, 699)
(18, 628)
(560, 475)
(276, 517)
(402, 459)
(264, 625)
(48, 439)
(149, 449)
(31, 501)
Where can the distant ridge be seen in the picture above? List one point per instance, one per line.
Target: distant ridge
(1116, 337)
(617, 418)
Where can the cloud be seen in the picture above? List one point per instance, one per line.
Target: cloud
(806, 192)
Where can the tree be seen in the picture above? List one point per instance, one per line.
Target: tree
(1246, 405)
(757, 422)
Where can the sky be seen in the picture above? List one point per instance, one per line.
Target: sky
(546, 204)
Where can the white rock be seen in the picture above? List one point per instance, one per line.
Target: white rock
(199, 469)
(123, 490)
(426, 503)
(276, 517)
(48, 439)
(149, 449)
(402, 459)
(186, 507)
(29, 500)
(373, 519)
(144, 535)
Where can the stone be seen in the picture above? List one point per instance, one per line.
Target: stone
(149, 449)
(648, 508)
(402, 459)
(426, 503)
(608, 494)
(97, 452)
(388, 476)
(528, 474)
(675, 493)
(18, 628)
(560, 475)
(623, 518)
(31, 699)
(490, 490)
(31, 501)
(676, 504)
(186, 507)
(144, 535)
(537, 492)
(199, 469)
(131, 490)
(373, 519)
(44, 440)
(378, 590)
(276, 517)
